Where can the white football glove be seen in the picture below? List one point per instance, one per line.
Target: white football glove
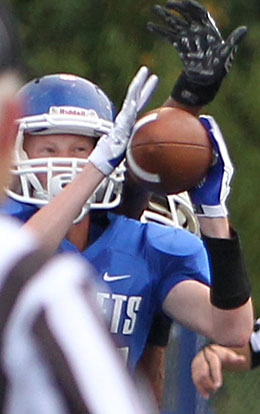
(110, 149)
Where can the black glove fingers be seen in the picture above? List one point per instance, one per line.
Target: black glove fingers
(162, 31)
(168, 18)
(231, 46)
(200, 21)
(196, 15)
(162, 13)
(227, 55)
(190, 10)
(236, 36)
(178, 23)
(228, 49)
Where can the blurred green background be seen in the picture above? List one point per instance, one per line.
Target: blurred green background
(106, 41)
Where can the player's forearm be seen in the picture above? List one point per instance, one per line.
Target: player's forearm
(232, 327)
(52, 222)
(194, 110)
(215, 227)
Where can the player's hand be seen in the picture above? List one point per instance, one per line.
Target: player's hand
(209, 197)
(207, 365)
(110, 149)
(206, 57)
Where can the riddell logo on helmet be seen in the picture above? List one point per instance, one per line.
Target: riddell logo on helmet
(72, 110)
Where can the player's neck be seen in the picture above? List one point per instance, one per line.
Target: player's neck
(78, 233)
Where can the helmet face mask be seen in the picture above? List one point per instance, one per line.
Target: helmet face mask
(61, 104)
(172, 210)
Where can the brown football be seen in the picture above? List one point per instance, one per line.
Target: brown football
(169, 151)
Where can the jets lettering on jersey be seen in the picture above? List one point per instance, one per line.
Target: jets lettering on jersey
(123, 311)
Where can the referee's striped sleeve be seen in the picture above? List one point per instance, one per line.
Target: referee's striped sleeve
(13, 283)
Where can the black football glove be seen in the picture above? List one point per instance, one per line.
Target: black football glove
(206, 57)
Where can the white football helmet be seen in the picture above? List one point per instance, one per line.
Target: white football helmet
(64, 104)
(172, 210)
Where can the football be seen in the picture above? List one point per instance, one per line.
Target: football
(169, 151)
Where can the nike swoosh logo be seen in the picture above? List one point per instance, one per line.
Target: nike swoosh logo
(108, 278)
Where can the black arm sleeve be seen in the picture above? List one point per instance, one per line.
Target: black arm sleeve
(230, 284)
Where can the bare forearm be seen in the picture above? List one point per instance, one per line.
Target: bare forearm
(215, 227)
(52, 222)
(226, 327)
(194, 110)
(233, 327)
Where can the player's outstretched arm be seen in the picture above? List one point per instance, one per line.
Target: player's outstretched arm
(205, 55)
(227, 305)
(52, 221)
(230, 287)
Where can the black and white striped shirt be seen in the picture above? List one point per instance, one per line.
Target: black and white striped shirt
(56, 355)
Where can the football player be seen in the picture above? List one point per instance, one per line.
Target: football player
(66, 182)
(55, 349)
(68, 146)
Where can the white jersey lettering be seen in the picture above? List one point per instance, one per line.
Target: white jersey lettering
(118, 306)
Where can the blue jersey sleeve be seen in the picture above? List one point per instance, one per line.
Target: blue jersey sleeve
(178, 255)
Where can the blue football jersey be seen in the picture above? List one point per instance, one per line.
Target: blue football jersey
(139, 263)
